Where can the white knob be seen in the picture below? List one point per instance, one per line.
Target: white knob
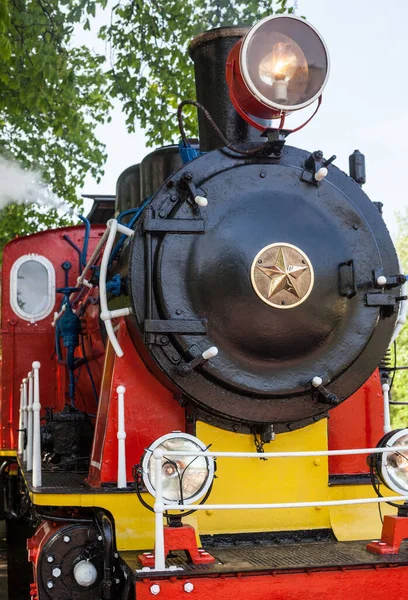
(201, 201)
(385, 387)
(316, 381)
(155, 589)
(188, 587)
(210, 353)
(321, 174)
(85, 573)
(381, 280)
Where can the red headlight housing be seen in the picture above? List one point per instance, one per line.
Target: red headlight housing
(280, 66)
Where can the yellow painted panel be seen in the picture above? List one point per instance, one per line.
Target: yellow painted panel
(249, 480)
(360, 521)
(134, 523)
(8, 452)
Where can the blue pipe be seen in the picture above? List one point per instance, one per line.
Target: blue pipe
(86, 239)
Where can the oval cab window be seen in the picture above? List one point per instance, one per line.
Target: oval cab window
(32, 289)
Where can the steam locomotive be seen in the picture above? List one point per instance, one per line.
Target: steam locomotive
(195, 397)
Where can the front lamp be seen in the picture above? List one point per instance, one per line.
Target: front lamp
(185, 479)
(280, 66)
(392, 467)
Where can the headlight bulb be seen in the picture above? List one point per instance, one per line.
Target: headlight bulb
(280, 66)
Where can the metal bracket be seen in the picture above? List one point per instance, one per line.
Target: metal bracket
(348, 291)
(180, 326)
(323, 394)
(151, 224)
(316, 167)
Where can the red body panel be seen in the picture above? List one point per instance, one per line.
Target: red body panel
(23, 342)
(356, 423)
(150, 412)
(367, 583)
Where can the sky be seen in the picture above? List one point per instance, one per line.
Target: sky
(365, 103)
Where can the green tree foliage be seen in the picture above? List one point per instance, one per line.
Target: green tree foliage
(399, 414)
(52, 96)
(152, 72)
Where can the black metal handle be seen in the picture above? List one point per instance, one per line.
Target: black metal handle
(347, 290)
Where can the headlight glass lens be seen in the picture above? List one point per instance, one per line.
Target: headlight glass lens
(284, 62)
(184, 478)
(393, 466)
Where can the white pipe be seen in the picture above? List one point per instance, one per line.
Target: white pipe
(290, 454)
(113, 226)
(159, 557)
(126, 230)
(387, 419)
(30, 423)
(286, 504)
(121, 435)
(37, 476)
(25, 416)
(21, 424)
(113, 314)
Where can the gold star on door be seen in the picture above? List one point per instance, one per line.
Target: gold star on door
(283, 276)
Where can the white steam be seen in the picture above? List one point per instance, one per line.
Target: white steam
(22, 186)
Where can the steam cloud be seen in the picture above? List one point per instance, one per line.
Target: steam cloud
(20, 185)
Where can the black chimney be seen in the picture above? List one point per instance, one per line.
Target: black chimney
(209, 52)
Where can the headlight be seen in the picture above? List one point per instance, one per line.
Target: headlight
(184, 478)
(281, 65)
(392, 467)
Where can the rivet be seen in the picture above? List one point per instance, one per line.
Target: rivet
(173, 198)
(316, 462)
(260, 261)
(99, 538)
(66, 539)
(117, 581)
(50, 585)
(56, 572)
(188, 587)
(155, 589)
(116, 555)
(178, 311)
(283, 302)
(50, 559)
(318, 507)
(262, 174)
(209, 512)
(355, 227)
(162, 214)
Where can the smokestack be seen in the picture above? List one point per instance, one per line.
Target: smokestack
(209, 52)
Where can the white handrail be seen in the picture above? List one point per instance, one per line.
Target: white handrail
(21, 432)
(37, 475)
(159, 557)
(160, 507)
(350, 451)
(25, 416)
(30, 423)
(322, 503)
(121, 435)
(107, 315)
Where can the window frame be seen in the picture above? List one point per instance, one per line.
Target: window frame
(47, 264)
